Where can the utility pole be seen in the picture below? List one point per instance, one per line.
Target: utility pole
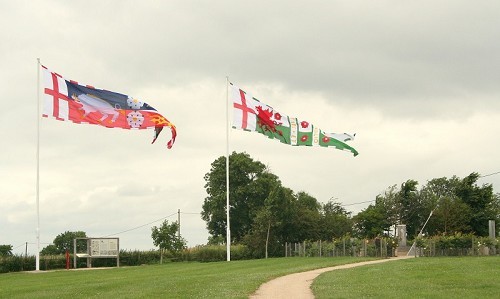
(179, 222)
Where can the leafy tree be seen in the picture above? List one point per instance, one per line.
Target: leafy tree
(378, 218)
(270, 225)
(388, 203)
(166, 237)
(372, 221)
(411, 210)
(481, 202)
(64, 241)
(495, 206)
(335, 221)
(282, 206)
(250, 184)
(50, 250)
(450, 214)
(5, 250)
(307, 217)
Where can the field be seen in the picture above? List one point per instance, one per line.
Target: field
(445, 277)
(421, 277)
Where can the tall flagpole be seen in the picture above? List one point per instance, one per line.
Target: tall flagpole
(37, 266)
(228, 229)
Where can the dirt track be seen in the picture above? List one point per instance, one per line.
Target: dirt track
(298, 285)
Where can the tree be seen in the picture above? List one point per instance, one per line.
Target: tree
(335, 221)
(307, 217)
(167, 239)
(410, 208)
(378, 218)
(250, 184)
(388, 205)
(372, 221)
(269, 227)
(451, 215)
(5, 250)
(64, 241)
(481, 202)
(50, 250)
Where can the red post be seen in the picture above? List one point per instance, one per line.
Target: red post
(67, 259)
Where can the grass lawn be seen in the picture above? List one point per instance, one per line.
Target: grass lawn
(235, 279)
(446, 277)
(451, 277)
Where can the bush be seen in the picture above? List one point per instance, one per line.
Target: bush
(215, 253)
(457, 244)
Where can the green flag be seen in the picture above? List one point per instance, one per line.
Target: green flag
(252, 115)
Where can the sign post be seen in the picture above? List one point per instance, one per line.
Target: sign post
(98, 248)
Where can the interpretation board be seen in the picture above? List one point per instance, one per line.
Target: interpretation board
(98, 248)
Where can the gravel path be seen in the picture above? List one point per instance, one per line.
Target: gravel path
(298, 285)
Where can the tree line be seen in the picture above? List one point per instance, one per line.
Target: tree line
(264, 214)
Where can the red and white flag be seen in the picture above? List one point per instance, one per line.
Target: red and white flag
(68, 100)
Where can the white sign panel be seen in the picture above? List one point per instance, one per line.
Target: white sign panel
(103, 247)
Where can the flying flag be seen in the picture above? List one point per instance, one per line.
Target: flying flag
(250, 114)
(68, 100)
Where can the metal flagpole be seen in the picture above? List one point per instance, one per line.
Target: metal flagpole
(37, 267)
(413, 246)
(228, 229)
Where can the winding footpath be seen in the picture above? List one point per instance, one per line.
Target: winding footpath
(298, 285)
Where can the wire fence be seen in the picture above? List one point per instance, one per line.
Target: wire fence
(378, 247)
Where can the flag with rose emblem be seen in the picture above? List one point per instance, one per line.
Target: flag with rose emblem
(69, 100)
(252, 115)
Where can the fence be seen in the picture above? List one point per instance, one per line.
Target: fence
(379, 247)
(457, 245)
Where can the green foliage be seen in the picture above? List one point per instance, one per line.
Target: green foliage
(215, 253)
(457, 244)
(50, 250)
(138, 258)
(16, 263)
(166, 237)
(457, 206)
(251, 183)
(371, 222)
(64, 241)
(335, 221)
(6, 250)
(410, 208)
(265, 214)
(479, 200)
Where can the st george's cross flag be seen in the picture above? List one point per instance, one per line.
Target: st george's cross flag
(252, 115)
(69, 100)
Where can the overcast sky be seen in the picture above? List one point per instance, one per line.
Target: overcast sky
(418, 81)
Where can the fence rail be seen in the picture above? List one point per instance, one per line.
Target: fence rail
(379, 247)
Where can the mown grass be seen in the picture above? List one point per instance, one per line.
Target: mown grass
(235, 279)
(446, 277)
(451, 277)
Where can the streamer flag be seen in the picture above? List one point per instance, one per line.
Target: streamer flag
(250, 114)
(68, 100)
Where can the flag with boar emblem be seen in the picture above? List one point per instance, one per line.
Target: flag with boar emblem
(252, 115)
(69, 100)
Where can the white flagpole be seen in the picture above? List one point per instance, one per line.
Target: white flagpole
(228, 229)
(37, 266)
